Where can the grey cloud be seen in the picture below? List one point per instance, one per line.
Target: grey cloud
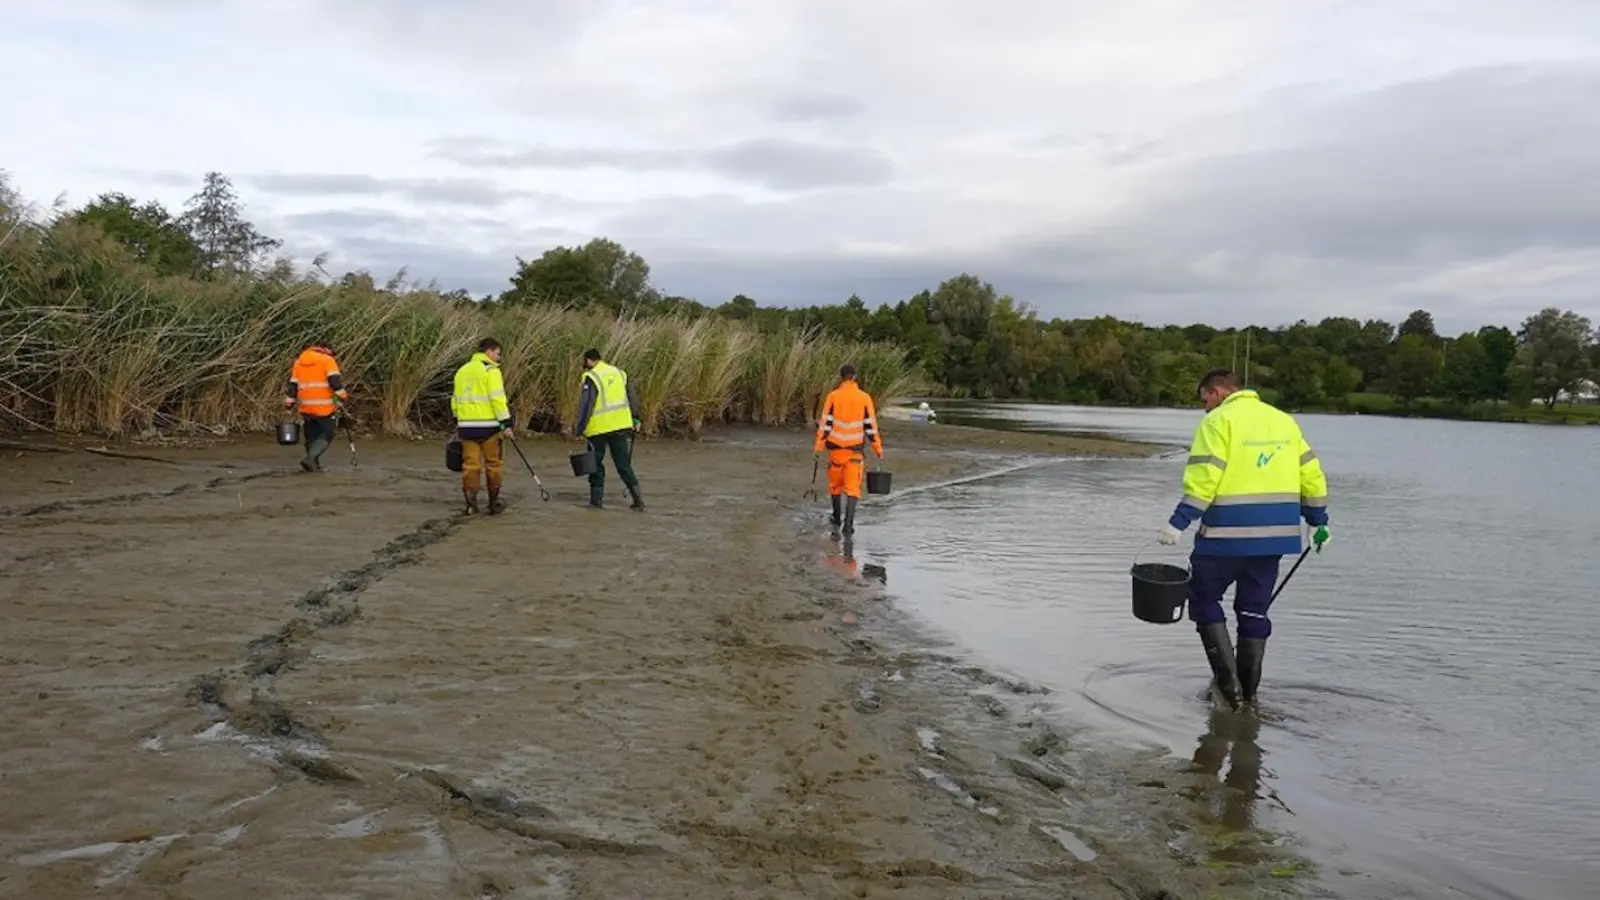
(344, 221)
(1474, 163)
(1476, 194)
(815, 107)
(792, 165)
(780, 163)
(163, 178)
(383, 242)
(478, 192)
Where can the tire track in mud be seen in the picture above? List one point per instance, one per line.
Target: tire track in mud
(244, 698)
(73, 504)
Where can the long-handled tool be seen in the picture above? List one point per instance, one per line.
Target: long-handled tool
(1295, 568)
(543, 494)
(349, 435)
(811, 492)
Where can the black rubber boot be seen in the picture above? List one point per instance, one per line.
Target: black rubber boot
(596, 495)
(638, 498)
(836, 518)
(495, 506)
(1219, 652)
(850, 515)
(318, 447)
(1251, 652)
(472, 501)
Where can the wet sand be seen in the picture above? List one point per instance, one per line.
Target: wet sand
(226, 677)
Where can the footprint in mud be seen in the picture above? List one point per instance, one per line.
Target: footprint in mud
(867, 699)
(1014, 685)
(1069, 842)
(963, 797)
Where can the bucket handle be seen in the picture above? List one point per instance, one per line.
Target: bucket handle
(1187, 565)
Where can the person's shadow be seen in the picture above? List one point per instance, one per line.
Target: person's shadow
(1231, 738)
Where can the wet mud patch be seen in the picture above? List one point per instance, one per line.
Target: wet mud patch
(123, 499)
(342, 587)
(1014, 685)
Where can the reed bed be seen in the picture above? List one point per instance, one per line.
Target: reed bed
(93, 342)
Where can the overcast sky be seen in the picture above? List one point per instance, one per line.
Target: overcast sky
(1166, 160)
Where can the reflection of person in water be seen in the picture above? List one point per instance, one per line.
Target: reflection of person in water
(843, 561)
(1232, 738)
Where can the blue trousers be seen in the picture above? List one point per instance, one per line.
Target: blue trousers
(1253, 578)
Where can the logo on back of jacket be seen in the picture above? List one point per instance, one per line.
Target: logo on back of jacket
(1263, 458)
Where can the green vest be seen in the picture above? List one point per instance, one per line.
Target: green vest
(611, 412)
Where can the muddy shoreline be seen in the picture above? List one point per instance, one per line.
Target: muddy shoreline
(226, 673)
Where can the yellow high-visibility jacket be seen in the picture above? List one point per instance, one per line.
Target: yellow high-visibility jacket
(479, 399)
(1250, 478)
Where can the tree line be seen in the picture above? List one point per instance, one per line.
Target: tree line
(963, 337)
(968, 340)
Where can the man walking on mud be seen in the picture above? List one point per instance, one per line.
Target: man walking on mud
(607, 420)
(482, 418)
(849, 421)
(1250, 478)
(314, 382)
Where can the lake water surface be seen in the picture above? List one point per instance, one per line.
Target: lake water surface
(1431, 697)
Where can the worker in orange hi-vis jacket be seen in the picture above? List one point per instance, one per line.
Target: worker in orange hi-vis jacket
(314, 382)
(849, 422)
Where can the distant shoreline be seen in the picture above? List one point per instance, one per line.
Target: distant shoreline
(1579, 414)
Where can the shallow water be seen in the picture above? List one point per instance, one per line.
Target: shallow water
(1430, 691)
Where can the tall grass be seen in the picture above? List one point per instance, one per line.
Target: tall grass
(91, 341)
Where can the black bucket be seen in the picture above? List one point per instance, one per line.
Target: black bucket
(288, 433)
(1159, 592)
(878, 482)
(453, 459)
(584, 463)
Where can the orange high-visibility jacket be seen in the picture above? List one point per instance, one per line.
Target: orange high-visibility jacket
(314, 382)
(849, 420)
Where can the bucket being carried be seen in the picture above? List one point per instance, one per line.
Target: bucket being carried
(878, 480)
(584, 463)
(288, 433)
(1159, 592)
(453, 459)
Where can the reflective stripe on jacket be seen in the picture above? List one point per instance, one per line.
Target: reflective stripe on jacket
(1250, 479)
(849, 420)
(479, 399)
(314, 381)
(611, 410)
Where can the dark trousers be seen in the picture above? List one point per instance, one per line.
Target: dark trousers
(320, 432)
(617, 443)
(1252, 577)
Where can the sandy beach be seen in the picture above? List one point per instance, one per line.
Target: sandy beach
(229, 678)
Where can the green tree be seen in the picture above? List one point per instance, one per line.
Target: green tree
(1468, 374)
(1370, 353)
(1420, 323)
(1339, 379)
(1553, 354)
(1501, 346)
(214, 219)
(1413, 368)
(601, 273)
(153, 235)
(1298, 378)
